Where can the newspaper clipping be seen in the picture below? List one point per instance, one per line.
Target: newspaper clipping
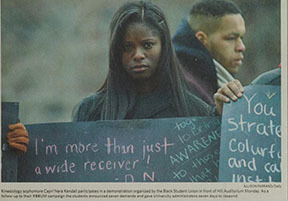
(143, 100)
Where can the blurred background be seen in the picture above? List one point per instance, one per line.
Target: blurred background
(55, 52)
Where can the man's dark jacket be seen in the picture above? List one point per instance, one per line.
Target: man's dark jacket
(197, 62)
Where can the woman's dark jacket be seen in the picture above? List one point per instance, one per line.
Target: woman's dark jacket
(197, 61)
(158, 104)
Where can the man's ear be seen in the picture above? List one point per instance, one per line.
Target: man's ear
(200, 35)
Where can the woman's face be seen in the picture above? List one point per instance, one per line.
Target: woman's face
(141, 51)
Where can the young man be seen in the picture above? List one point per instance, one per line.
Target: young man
(209, 45)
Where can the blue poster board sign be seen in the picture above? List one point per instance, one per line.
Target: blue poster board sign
(251, 137)
(155, 150)
(151, 150)
(9, 158)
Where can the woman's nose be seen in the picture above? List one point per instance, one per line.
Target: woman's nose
(139, 54)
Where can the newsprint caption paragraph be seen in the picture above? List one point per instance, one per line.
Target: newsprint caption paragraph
(255, 190)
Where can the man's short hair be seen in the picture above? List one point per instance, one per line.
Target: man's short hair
(206, 15)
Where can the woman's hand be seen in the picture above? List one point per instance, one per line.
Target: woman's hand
(18, 137)
(230, 91)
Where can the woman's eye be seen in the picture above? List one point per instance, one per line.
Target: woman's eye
(127, 47)
(148, 45)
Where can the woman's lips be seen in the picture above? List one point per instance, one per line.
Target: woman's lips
(139, 68)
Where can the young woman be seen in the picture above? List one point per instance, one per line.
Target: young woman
(144, 78)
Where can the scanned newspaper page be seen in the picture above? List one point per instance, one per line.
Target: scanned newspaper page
(55, 53)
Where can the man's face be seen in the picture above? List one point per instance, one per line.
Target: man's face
(225, 44)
